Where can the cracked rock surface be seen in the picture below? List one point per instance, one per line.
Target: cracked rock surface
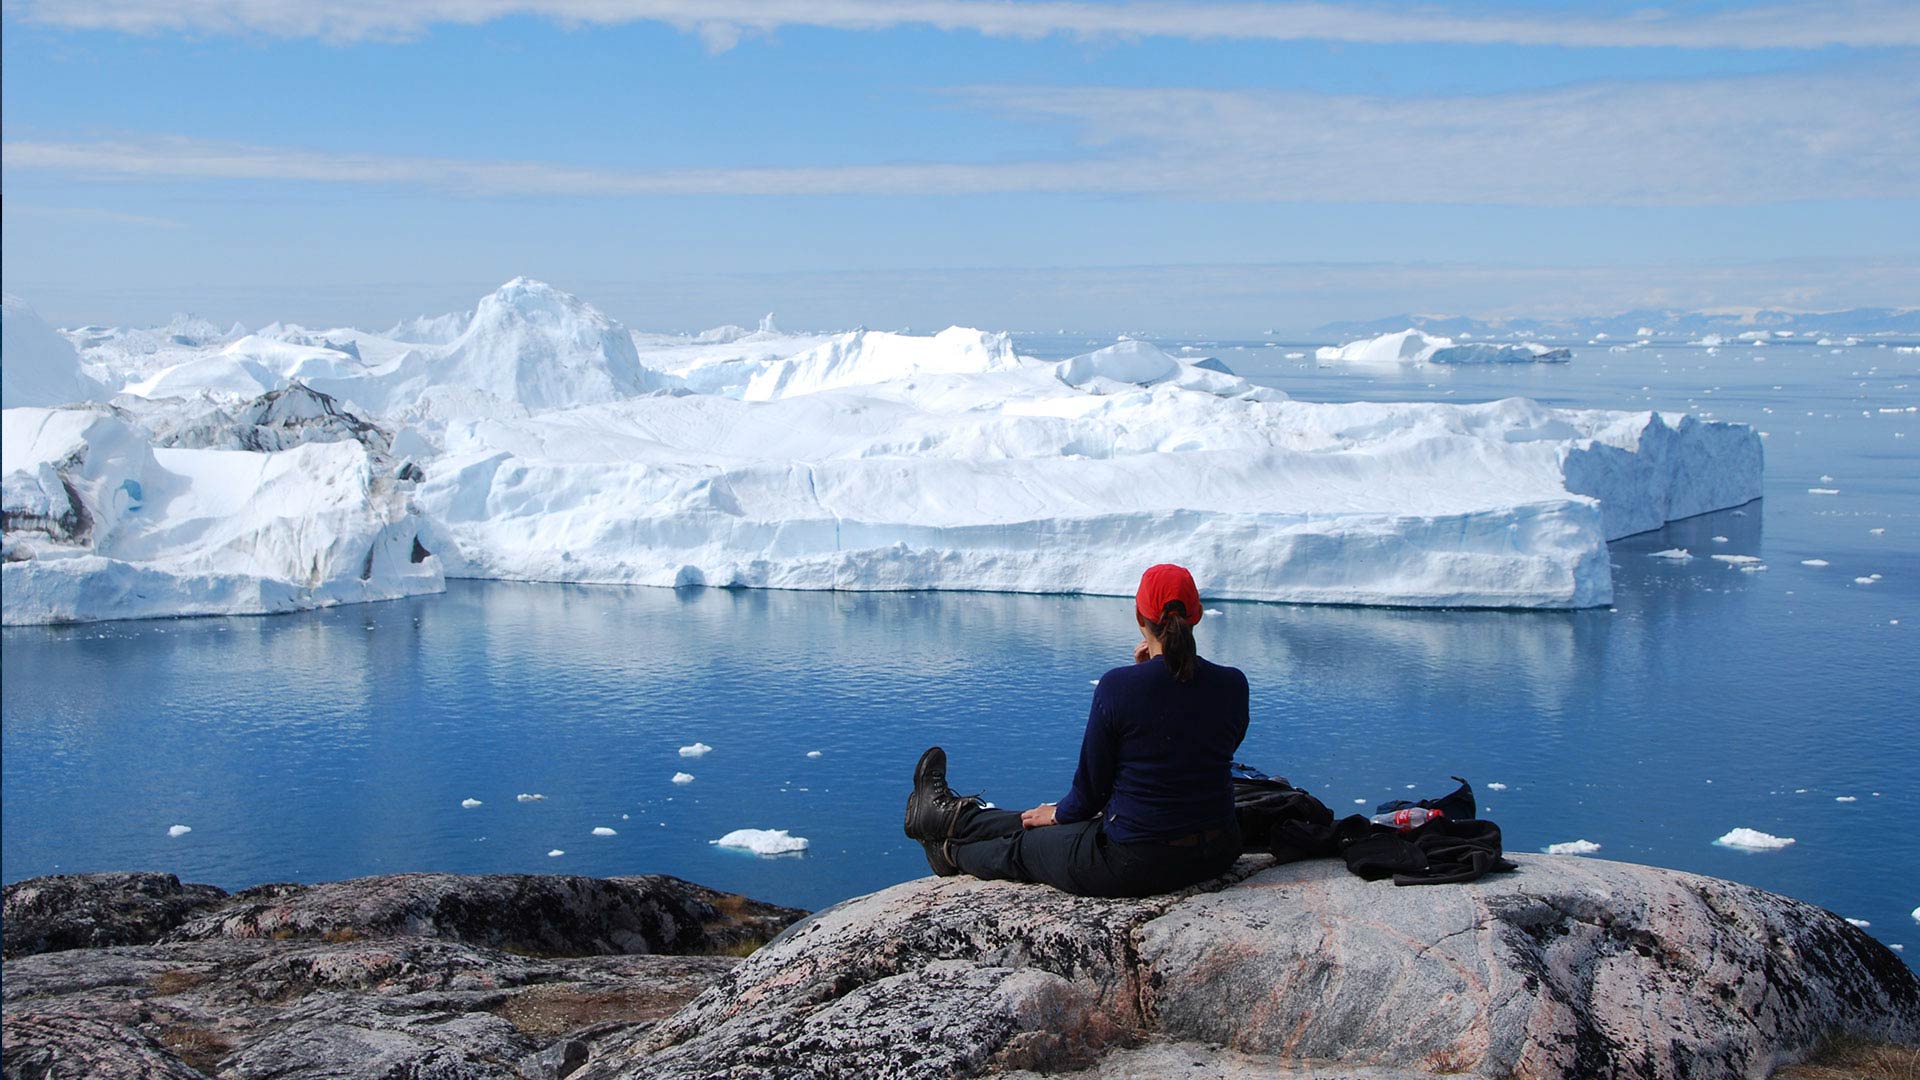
(1569, 967)
(428, 976)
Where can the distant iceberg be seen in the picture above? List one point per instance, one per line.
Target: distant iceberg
(546, 442)
(1415, 347)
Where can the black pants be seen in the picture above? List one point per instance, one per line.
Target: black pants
(1080, 858)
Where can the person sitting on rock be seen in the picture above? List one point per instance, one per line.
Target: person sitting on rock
(1151, 807)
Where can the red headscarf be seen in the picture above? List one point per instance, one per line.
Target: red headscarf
(1164, 583)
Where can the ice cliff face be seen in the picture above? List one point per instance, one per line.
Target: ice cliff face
(542, 443)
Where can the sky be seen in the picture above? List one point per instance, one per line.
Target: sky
(1203, 168)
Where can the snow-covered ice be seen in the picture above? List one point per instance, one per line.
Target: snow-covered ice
(37, 365)
(537, 439)
(602, 830)
(763, 841)
(179, 830)
(555, 853)
(469, 804)
(1814, 562)
(1753, 840)
(698, 749)
(524, 797)
(1675, 554)
(1846, 798)
(1861, 923)
(1738, 560)
(683, 778)
(813, 753)
(1496, 786)
(1573, 847)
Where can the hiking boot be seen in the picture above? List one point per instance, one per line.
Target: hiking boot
(937, 859)
(933, 810)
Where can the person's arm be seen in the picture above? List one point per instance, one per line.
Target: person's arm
(1093, 779)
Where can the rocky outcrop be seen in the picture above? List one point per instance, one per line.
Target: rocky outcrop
(85, 911)
(439, 976)
(1568, 967)
(540, 914)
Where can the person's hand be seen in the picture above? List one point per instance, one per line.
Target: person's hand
(1038, 816)
(1142, 653)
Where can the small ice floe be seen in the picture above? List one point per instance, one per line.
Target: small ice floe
(1496, 786)
(524, 797)
(1823, 491)
(1897, 947)
(1676, 554)
(602, 830)
(763, 841)
(1815, 562)
(1916, 914)
(1738, 560)
(468, 804)
(1093, 682)
(813, 753)
(1864, 580)
(1573, 847)
(555, 853)
(1861, 923)
(683, 778)
(179, 830)
(1846, 798)
(696, 750)
(1211, 611)
(1719, 539)
(1877, 532)
(1360, 802)
(1825, 479)
(1753, 840)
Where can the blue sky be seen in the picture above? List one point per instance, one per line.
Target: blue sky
(1206, 167)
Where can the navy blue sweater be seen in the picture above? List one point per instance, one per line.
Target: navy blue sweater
(1156, 752)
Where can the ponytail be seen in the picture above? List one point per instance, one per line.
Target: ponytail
(1176, 640)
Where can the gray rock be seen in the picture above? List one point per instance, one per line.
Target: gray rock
(1568, 967)
(84, 911)
(382, 977)
(544, 914)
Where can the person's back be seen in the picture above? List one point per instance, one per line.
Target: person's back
(1171, 744)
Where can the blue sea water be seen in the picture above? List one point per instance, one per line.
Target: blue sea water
(339, 743)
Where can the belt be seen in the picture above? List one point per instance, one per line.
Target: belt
(1196, 839)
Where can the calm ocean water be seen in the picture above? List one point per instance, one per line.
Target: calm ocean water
(340, 743)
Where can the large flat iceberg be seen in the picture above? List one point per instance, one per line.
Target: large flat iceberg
(1415, 347)
(542, 441)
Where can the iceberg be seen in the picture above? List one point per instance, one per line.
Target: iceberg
(763, 841)
(105, 518)
(1415, 347)
(1745, 839)
(545, 442)
(37, 365)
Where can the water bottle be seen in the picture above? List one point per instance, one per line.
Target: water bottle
(1408, 819)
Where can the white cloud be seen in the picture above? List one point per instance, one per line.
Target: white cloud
(88, 215)
(1731, 141)
(1860, 23)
